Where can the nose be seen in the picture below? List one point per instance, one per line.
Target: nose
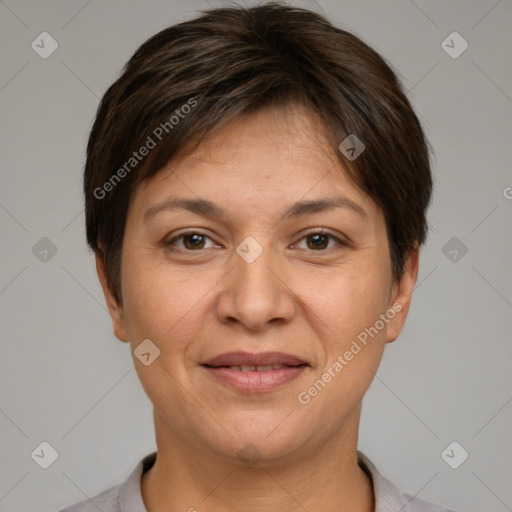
(256, 293)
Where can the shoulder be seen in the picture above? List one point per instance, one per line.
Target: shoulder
(125, 497)
(414, 504)
(107, 501)
(389, 498)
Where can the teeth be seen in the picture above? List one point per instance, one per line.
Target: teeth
(252, 368)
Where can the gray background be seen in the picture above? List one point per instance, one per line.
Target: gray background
(66, 380)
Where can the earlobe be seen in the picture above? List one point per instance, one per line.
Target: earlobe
(402, 295)
(115, 308)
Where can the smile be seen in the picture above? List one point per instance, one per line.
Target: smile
(255, 379)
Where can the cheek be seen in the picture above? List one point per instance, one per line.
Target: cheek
(162, 303)
(352, 340)
(346, 300)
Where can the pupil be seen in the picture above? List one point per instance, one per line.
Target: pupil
(195, 240)
(319, 240)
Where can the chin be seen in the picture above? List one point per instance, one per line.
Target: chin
(259, 441)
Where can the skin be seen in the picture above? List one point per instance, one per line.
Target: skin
(295, 298)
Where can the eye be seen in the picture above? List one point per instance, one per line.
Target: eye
(190, 241)
(318, 240)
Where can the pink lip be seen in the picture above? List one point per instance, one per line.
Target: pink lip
(255, 381)
(249, 359)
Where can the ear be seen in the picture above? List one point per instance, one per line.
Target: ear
(401, 295)
(115, 308)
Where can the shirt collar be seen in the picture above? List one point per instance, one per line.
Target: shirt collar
(130, 493)
(387, 495)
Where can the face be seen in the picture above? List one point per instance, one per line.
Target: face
(255, 265)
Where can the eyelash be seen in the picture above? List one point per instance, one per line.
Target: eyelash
(309, 232)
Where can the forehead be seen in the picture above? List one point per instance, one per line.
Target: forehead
(261, 160)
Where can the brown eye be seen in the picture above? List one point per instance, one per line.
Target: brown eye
(317, 241)
(191, 241)
(194, 241)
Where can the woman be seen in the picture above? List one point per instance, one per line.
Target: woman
(256, 189)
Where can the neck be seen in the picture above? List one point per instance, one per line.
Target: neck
(327, 478)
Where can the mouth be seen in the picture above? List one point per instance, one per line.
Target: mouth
(255, 373)
(253, 368)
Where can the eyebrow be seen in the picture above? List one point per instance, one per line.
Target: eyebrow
(208, 209)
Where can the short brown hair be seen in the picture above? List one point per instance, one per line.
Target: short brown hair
(232, 61)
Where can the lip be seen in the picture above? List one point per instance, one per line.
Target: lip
(254, 381)
(250, 359)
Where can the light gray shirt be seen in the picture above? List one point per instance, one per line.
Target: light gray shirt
(127, 497)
